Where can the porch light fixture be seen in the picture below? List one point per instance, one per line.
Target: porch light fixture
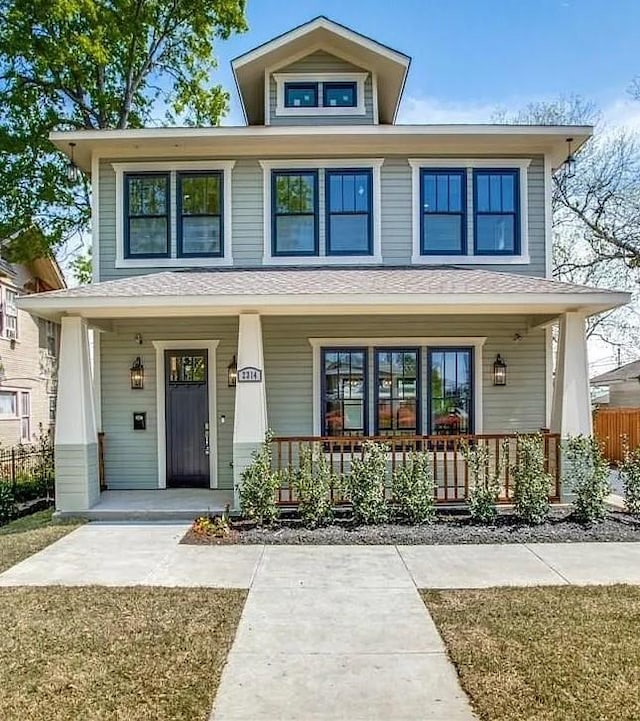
(499, 372)
(570, 162)
(232, 373)
(73, 171)
(137, 375)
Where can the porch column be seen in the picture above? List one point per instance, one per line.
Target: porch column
(250, 418)
(571, 410)
(76, 448)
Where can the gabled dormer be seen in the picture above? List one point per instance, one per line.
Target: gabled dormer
(321, 73)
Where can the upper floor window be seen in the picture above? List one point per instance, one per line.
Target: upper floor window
(301, 95)
(51, 337)
(173, 213)
(320, 94)
(443, 216)
(496, 221)
(10, 314)
(471, 211)
(295, 212)
(339, 95)
(147, 215)
(200, 214)
(348, 211)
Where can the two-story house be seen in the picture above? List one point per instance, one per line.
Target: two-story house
(28, 353)
(321, 272)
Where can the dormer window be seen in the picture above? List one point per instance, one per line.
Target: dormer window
(301, 95)
(339, 95)
(321, 94)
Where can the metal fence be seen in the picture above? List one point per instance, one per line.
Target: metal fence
(28, 471)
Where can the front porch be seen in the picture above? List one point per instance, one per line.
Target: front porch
(259, 350)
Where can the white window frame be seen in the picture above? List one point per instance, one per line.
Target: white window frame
(420, 342)
(374, 164)
(173, 168)
(319, 78)
(417, 164)
(25, 396)
(6, 314)
(11, 416)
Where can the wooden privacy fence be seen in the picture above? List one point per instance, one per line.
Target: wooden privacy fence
(612, 425)
(449, 467)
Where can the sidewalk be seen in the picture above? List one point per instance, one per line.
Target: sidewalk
(328, 632)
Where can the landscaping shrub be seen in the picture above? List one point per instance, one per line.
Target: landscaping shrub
(586, 472)
(259, 486)
(484, 483)
(312, 482)
(216, 526)
(413, 488)
(630, 474)
(365, 484)
(531, 483)
(7, 503)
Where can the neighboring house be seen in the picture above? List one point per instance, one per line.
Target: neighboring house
(623, 384)
(321, 271)
(28, 353)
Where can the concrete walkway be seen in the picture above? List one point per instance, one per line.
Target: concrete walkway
(328, 632)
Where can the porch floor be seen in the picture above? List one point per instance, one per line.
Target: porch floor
(169, 504)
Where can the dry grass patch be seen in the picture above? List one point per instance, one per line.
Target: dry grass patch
(545, 654)
(113, 653)
(25, 536)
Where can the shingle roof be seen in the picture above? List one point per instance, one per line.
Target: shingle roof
(629, 371)
(323, 281)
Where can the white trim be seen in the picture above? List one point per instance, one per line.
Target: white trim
(309, 27)
(477, 342)
(470, 259)
(96, 353)
(322, 164)
(548, 216)
(267, 98)
(320, 78)
(172, 168)
(210, 346)
(95, 218)
(374, 98)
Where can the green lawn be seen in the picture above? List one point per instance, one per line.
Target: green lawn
(545, 654)
(25, 536)
(106, 654)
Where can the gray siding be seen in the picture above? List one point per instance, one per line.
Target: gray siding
(322, 62)
(624, 395)
(131, 456)
(247, 217)
(519, 406)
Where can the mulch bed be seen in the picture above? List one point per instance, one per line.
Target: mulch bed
(561, 527)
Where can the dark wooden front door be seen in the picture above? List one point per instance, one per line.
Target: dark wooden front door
(187, 418)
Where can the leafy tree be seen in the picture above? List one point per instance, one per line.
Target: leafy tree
(82, 268)
(596, 213)
(95, 64)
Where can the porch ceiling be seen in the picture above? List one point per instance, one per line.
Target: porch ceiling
(322, 291)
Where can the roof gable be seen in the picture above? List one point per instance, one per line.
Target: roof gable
(389, 66)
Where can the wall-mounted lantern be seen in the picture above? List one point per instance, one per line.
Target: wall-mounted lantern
(499, 372)
(137, 375)
(570, 162)
(232, 373)
(73, 171)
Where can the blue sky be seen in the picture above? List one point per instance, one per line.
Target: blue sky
(471, 56)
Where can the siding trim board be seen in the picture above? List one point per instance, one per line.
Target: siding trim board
(322, 257)
(160, 347)
(471, 258)
(319, 345)
(172, 260)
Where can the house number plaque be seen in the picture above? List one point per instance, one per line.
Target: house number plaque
(249, 375)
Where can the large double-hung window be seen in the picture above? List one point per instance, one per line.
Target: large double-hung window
(295, 212)
(443, 211)
(200, 214)
(496, 211)
(147, 215)
(349, 228)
